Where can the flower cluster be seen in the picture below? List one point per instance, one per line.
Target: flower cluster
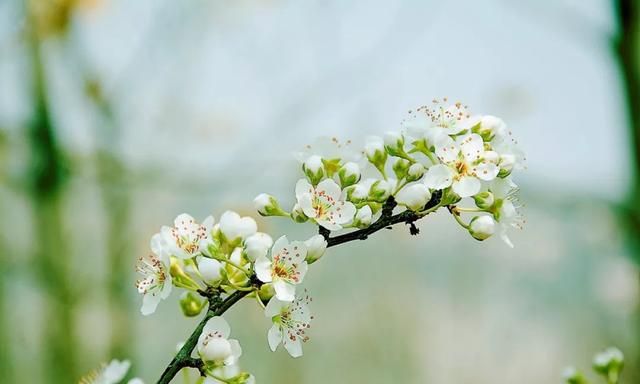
(442, 156)
(439, 148)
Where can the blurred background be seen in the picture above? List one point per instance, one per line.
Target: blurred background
(115, 116)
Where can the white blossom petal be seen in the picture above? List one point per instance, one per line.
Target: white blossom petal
(466, 186)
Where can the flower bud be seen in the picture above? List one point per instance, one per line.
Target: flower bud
(349, 174)
(316, 246)
(363, 217)
(488, 127)
(257, 245)
(267, 205)
(572, 376)
(217, 349)
(313, 169)
(190, 304)
(357, 193)
(507, 161)
(401, 167)
(482, 227)
(298, 215)
(414, 196)
(375, 152)
(380, 190)
(394, 143)
(266, 292)
(210, 270)
(484, 200)
(415, 172)
(236, 228)
(609, 363)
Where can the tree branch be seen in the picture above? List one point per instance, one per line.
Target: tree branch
(217, 306)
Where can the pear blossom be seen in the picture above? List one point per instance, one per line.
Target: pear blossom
(267, 205)
(437, 121)
(349, 174)
(112, 373)
(363, 218)
(286, 269)
(464, 165)
(257, 245)
(323, 203)
(214, 344)
(329, 148)
(184, 238)
(229, 374)
(507, 212)
(316, 246)
(235, 227)
(155, 283)
(291, 320)
(414, 196)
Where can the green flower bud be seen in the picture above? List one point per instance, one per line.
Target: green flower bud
(266, 292)
(349, 174)
(401, 167)
(415, 172)
(357, 193)
(313, 169)
(380, 190)
(482, 227)
(376, 153)
(484, 200)
(572, 376)
(609, 364)
(331, 166)
(298, 215)
(267, 205)
(363, 217)
(394, 144)
(191, 304)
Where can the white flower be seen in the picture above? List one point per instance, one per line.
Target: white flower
(508, 214)
(323, 203)
(438, 120)
(257, 245)
(329, 148)
(606, 359)
(235, 227)
(364, 216)
(210, 270)
(482, 227)
(112, 373)
(290, 323)
(316, 246)
(379, 190)
(414, 196)
(156, 281)
(214, 344)
(229, 374)
(184, 238)
(464, 165)
(286, 269)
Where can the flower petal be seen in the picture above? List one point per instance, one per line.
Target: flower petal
(294, 347)
(284, 291)
(472, 147)
(466, 186)
(217, 324)
(330, 188)
(303, 187)
(149, 304)
(274, 336)
(263, 269)
(438, 176)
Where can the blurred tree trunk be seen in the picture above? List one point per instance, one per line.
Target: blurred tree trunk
(52, 258)
(627, 47)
